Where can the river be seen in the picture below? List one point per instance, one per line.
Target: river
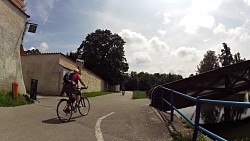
(231, 123)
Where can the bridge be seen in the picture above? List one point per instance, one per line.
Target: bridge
(214, 85)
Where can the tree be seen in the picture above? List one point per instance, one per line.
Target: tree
(226, 58)
(33, 51)
(146, 81)
(103, 53)
(237, 58)
(209, 62)
(72, 55)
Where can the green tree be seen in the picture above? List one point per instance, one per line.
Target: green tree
(33, 51)
(209, 62)
(226, 57)
(146, 81)
(72, 55)
(103, 53)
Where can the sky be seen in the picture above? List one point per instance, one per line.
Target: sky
(162, 36)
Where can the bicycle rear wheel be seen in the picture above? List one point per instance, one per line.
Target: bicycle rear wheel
(84, 106)
(64, 110)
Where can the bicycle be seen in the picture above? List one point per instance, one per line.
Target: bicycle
(65, 107)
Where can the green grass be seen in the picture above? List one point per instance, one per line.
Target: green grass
(139, 95)
(6, 99)
(178, 136)
(94, 94)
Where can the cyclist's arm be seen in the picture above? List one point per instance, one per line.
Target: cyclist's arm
(81, 81)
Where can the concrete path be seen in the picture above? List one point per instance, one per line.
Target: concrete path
(112, 117)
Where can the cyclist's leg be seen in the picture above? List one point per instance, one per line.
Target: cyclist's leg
(78, 96)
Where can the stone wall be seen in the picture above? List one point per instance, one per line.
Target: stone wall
(94, 82)
(12, 25)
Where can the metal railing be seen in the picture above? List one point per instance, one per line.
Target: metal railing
(198, 101)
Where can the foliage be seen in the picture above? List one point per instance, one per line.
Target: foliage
(72, 55)
(6, 99)
(103, 53)
(178, 136)
(209, 62)
(237, 58)
(33, 51)
(226, 58)
(144, 81)
(139, 95)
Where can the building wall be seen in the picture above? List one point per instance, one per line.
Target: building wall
(12, 25)
(43, 68)
(49, 70)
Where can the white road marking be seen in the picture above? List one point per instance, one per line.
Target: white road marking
(98, 132)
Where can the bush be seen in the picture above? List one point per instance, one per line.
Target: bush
(139, 94)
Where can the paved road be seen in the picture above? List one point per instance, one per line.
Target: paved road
(112, 117)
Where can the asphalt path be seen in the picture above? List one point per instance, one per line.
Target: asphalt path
(112, 117)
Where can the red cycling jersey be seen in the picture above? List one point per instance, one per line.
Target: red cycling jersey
(75, 78)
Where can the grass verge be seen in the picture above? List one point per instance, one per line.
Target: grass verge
(139, 95)
(94, 94)
(6, 99)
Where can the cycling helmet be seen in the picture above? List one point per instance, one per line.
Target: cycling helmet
(76, 70)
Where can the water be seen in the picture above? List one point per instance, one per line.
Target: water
(231, 123)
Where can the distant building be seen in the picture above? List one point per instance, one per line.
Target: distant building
(12, 26)
(49, 69)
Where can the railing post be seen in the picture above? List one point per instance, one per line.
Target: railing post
(162, 102)
(197, 118)
(172, 105)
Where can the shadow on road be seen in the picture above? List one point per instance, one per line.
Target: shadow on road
(55, 121)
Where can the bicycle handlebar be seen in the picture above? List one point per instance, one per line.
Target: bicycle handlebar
(82, 88)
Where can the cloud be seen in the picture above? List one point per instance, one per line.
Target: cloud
(31, 48)
(193, 21)
(157, 45)
(162, 32)
(247, 2)
(132, 37)
(198, 15)
(43, 46)
(142, 57)
(220, 28)
(188, 53)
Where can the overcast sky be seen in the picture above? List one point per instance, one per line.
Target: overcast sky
(164, 36)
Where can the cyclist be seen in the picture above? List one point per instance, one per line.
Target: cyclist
(74, 81)
(70, 86)
(123, 89)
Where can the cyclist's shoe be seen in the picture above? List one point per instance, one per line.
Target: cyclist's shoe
(77, 105)
(67, 111)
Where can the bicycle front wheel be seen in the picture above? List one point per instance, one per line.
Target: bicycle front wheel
(64, 110)
(84, 106)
